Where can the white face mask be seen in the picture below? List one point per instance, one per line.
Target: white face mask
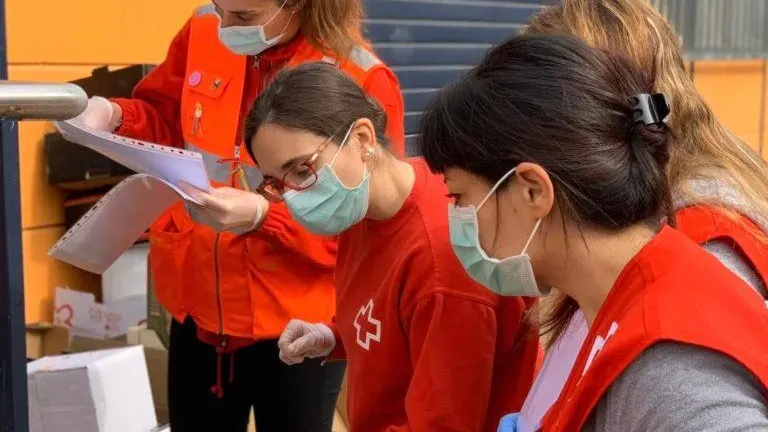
(512, 276)
(250, 40)
(329, 208)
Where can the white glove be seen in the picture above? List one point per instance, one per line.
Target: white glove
(100, 114)
(230, 209)
(302, 340)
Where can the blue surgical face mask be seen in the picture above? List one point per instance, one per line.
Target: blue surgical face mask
(328, 207)
(250, 40)
(511, 276)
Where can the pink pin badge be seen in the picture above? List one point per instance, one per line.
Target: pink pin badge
(195, 78)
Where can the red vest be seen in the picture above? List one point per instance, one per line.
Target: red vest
(673, 290)
(233, 285)
(705, 223)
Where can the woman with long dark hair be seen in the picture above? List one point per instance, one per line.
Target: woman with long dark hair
(555, 155)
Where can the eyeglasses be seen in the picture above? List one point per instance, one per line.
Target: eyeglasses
(300, 177)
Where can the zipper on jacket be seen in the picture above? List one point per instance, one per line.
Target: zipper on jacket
(218, 282)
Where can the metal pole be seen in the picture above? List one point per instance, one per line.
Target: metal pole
(14, 416)
(13, 369)
(19, 101)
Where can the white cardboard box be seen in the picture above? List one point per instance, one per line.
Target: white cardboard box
(96, 391)
(85, 318)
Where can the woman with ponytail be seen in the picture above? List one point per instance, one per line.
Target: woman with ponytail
(556, 156)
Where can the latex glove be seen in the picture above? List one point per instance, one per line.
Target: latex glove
(229, 209)
(508, 423)
(100, 114)
(302, 340)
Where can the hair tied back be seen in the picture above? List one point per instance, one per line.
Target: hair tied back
(649, 109)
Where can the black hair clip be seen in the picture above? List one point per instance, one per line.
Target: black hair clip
(650, 108)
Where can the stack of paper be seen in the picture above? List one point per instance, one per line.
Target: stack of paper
(171, 165)
(98, 391)
(114, 223)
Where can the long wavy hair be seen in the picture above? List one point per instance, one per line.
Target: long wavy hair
(703, 148)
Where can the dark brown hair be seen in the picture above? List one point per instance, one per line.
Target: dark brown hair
(317, 98)
(552, 100)
(704, 148)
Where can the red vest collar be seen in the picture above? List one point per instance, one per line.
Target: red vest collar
(672, 290)
(284, 52)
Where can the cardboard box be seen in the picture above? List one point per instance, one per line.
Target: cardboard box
(97, 391)
(45, 339)
(339, 425)
(84, 317)
(157, 365)
(158, 319)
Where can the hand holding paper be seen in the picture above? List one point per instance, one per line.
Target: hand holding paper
(228, 208)
(100, 114)
(117, 220)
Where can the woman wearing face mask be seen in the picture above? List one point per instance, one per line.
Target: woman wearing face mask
(719, 184)
(232, 292)
(427, 348)
(570, 144)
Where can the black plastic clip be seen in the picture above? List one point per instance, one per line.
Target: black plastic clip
(650, 108)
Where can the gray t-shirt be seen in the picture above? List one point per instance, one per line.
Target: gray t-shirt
(683, 388)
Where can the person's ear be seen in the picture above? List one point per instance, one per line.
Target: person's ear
(363, 135)
(537, 190)
(296, 5)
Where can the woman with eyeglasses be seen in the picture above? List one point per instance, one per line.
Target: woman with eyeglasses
(555, 154)
(427, 348)
(231, 276)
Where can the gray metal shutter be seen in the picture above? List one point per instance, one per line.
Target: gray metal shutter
(429, 43)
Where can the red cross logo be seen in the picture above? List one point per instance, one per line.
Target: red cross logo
(368, 328)
(598, 346)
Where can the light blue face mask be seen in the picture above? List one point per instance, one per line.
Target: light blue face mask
(328, 207)
(511, 276)
(250, 40)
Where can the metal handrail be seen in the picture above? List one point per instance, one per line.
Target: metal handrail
(20, 101)
(41, 101)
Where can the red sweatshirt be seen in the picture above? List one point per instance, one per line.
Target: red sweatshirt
(427, 348)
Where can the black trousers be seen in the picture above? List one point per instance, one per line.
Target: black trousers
(298, 398)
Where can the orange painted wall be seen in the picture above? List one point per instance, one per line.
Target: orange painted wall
(57, 42)
(734, 90)
(65, 40)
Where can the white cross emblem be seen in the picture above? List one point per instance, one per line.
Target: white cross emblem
(365, 320)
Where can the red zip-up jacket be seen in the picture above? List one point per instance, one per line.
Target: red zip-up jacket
(153, 112)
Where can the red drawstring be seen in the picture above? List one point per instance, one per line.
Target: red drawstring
(231, 367)
(218, 389)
